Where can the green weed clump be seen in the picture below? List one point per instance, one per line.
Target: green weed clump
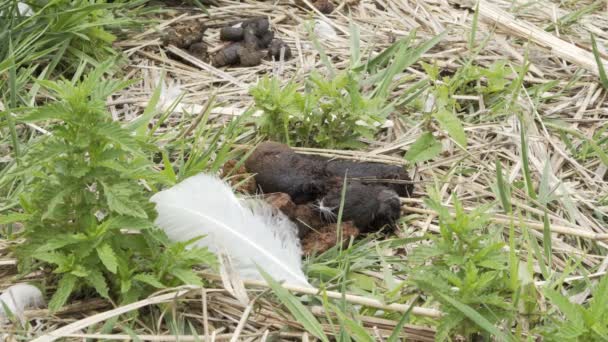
(344, 108)
(578, 322)
(60, 33)
(466, 270)
(328, 113)
(86, 208)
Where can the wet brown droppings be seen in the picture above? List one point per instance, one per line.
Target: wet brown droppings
(324, 6)
(185, 34)
(371, 200)
(274, 51)
(327, 236)
(249, 38)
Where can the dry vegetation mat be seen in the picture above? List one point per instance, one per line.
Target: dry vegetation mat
(497, 109)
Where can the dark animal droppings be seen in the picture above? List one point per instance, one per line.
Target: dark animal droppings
(259, 25)
(371, 201)
(198, 50)
(253, 35)
(250, 57)
(274, 51)
(232, 34)
(228, 55)
(265, 40)
(279, 169)
(390, 176)
(324, 6)
(369, 206)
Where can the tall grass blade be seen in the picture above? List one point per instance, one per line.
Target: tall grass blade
(355, 48)
(503, 192)
(600, 64)
(474, 26)
(299, 311)
(404, 319)
(547, 240)
(404, 58)
(526, 162)
(476, 317)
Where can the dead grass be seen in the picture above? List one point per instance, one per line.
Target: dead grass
(514, 28)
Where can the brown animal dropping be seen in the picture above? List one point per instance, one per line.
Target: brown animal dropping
(248, 39)
(372, 189)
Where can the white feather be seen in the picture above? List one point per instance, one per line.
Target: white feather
(18, 298)
(251, 232)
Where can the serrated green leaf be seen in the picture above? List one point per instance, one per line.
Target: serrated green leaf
(474, 316)
(424, 148)
(299, 311)
(149, 279)
(14, 217)
(188, 277)
(125, 286)
(64, 290)
(447, 324)
(53, 204)
(107, 257)
(451, 124)
(118, 200)
(598, 307)
(96, 279)
(52, 258)
(61, 241)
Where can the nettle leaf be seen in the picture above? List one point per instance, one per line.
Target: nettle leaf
(53, 205)
(14, 217)
(53, 258)
(450, 122)
(116, 134)
(54, 111)
(129, 222)
(424, 148)
(200, 255)
(64, 290)
(108, 257)
(118, 199)
(96, 279)
(61, 241)
(186, 276)
(569, 309)
(149, 279)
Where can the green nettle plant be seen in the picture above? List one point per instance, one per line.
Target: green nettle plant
(86, 208)
(578, 322)
(328, 113)
(466, 271)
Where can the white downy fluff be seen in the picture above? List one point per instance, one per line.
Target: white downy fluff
(324, 31)
(251, 232)
(18, 298)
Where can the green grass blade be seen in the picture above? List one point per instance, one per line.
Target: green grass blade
(299, 311)
(404, 57)
(477, 318)
(474, 26)
(12, 80)
(355, 48)
(404, 319)
(600, 64)
(355, 330)
(526, 162)
(547, 240)
(502, 189)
